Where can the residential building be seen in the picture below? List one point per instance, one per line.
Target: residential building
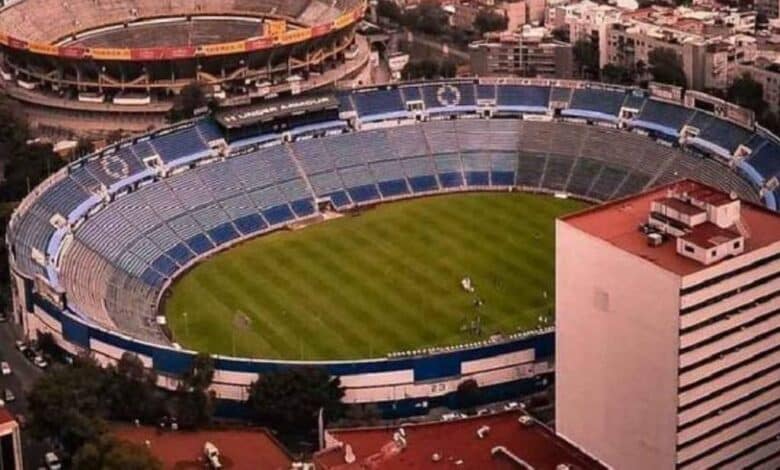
(530, 53)
(668, 330)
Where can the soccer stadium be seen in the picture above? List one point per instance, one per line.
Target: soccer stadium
(75, 63)
(399, 236)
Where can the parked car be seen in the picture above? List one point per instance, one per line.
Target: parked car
(453, 416)
(5, 369)
(8, 395)
(40, 362)
(3, 317)
(21, 346)
(52, 461)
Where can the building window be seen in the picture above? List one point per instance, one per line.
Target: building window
(689, 249)
(737, 244)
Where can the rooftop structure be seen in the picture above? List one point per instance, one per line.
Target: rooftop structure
(689, 213)
(502, 441)
(244, 448)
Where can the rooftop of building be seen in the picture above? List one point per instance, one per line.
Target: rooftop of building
(249, 448)
(618, 223)
(457, 445)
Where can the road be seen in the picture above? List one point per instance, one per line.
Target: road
(23, 376)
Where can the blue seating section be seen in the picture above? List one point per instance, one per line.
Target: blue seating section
(363, 193)
(725, 134)
(278, 214)
(523, 96)
(179, 144)
(250, 224)
(200, 244)
(378, 102)
(599, 101)
(767, 160)
(223, 233)
(393, 188)
(664, 114)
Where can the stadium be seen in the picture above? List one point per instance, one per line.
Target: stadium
(127, 249)
(77, 63)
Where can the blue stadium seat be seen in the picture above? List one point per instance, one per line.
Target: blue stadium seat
(668, 116)
(303, 207)
(378, 102)
(592, 102)
(180, 253)
(223, 233)
(180, 144)
(767, 160)
(339, 198)
(421, 184)
(200, 244)
(524, 96)
(477, 178)
(363, 193)
(725, 134)
(250, 223)
(151, 277)
(165, 265)
(502, 178)
(393, 188)
(451, 180)
(278, 214)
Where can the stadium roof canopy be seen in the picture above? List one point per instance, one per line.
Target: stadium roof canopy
(275, 109)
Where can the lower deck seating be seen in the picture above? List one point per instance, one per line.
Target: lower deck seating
(121, 256)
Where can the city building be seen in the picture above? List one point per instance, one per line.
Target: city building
(506, 440)
(768, 8)
(528, 53)
(667, 330)
(590, 21)
(10, 442)
(708, 61)
(767, 73)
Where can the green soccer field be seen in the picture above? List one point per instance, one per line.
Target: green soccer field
(386, 280)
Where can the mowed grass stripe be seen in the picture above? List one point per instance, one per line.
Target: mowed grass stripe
(386, 280)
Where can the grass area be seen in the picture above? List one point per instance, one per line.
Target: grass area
(385, 280)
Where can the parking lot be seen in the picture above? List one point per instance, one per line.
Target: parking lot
(19, 381)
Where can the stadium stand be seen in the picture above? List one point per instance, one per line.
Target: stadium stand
(125, 228)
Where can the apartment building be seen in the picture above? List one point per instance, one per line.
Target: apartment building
(529, 53)
(668, 330)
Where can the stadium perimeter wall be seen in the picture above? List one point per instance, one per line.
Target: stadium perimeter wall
(399, 386)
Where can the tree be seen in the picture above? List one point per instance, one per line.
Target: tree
(190, 99)
(561, 33)
(132, 393)
(194, 402)
(389, 9)
(468, 394)
(289, 400)
(489, 20)
(427, 18)
(428, 69)
(109, 453)
(666, 67)
(747, 92)
(66, 404)
(586, 58)
(613, 73)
